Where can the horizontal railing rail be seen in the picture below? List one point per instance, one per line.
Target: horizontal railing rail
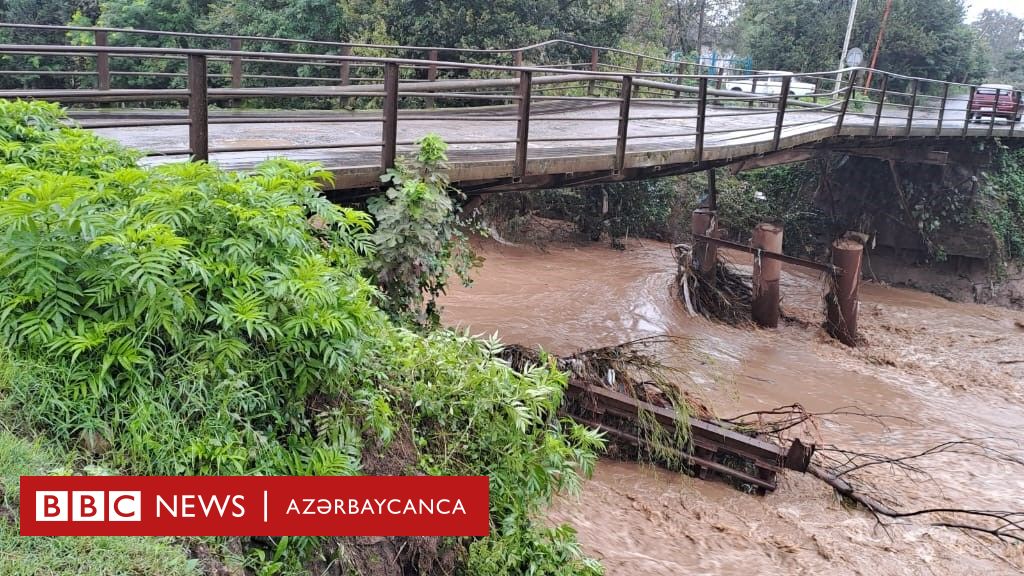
(612, 108)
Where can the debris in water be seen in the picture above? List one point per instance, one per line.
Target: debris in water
(726, 296)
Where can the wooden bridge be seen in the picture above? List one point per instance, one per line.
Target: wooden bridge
(553, 114)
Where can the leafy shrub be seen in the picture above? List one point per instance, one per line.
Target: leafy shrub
(418, 234)
(182, 319)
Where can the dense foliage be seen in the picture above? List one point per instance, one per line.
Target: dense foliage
(926, 38)
(182, 319)
(1002, 31)
(638, 208)
(1003, 205)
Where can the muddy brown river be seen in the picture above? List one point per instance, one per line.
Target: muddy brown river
(941, 371)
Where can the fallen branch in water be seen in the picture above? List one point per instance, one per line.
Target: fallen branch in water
(840, 468)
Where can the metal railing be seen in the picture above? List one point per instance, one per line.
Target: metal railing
(513, 101)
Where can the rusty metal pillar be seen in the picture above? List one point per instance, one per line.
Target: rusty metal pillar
(704, 222)
(765, 305)
(841, 301)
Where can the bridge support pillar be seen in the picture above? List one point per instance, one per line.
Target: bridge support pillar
(841, 302)
(765, 305)
(704, 222)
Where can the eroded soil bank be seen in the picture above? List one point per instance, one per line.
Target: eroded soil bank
(942, 370)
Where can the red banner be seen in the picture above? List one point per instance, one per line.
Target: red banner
(254, 506)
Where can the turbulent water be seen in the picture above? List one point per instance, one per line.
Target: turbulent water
(939, 371)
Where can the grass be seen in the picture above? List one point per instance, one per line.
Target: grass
(87, 556)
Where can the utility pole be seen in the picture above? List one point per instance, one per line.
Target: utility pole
(846, 43)
(878, 43)
(700, 32)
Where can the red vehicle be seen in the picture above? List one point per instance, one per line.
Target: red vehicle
(984, 102)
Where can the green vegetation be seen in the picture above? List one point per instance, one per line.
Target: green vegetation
(88, 556)
(1002, 206)
(182, 319)
(638, 208)
(660, 208)
(419, 237)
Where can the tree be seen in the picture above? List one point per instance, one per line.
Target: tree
(926, 38)
(1004, 34)
(503, 23)
(306, 19)
(1002, 30)
(170, 15)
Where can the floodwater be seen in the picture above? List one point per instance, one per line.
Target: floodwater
(939, 371)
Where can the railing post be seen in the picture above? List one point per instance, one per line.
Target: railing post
(846, 101)
(942, 108)
(236, 63)
(198, 125)
(881, 104)
(968, 115)
(995, 110)
(517, 58)
(523, 125)
(102, 61)
(625, 95)
(753, 92)
(593, 68)
(639, 69)
(680, 70)
(431, 74)
(780, 115)
(913, 105)
(346, 66)
(702, 109)
(389, 131)
(1016, 110)
(718, 81)
(817, 88)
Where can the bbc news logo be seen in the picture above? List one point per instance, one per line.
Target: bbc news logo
(88, 506)
(254, 506)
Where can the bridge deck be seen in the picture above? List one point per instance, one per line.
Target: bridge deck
(657, 136)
